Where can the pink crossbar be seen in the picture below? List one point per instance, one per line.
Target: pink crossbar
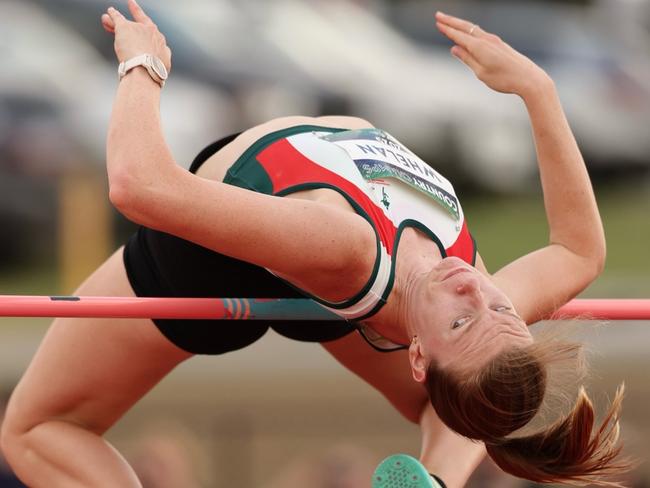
(256, 308)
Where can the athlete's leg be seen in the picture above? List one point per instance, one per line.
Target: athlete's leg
(445, 453)
(86, 374)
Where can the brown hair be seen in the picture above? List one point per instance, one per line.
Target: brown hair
(504, 395)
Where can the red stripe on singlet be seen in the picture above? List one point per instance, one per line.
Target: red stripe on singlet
(464, 246)
(288, 167)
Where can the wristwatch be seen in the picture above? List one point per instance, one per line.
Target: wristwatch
(155, 67)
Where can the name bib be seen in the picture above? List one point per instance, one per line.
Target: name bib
(378, 155)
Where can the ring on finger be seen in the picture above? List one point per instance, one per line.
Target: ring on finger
(471, 30)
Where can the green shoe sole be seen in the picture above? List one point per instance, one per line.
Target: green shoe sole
(402, 471)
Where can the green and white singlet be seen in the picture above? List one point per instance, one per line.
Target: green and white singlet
(383, 181)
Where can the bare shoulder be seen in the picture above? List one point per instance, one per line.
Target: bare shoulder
(334, 121)
(216, 166)
(344, 122)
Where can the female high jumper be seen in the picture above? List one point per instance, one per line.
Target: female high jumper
(334, 209)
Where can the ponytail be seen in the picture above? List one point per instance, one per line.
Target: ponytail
(504, 395)
(569, 451)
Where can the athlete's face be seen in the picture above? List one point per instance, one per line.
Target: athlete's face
(461, 319)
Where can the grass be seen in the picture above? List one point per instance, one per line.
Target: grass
(39, 279)
(507, 227)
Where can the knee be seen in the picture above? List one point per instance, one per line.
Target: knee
(12, 434)
(8, 441)
(5, 440)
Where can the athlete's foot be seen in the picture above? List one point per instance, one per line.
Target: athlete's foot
(403, 471)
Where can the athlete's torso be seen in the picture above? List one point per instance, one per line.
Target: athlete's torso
(369, 172)
(217, 165)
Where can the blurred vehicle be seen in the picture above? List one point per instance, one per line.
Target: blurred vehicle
(287, 57)
(601, 69)
(56, 93)
(290, 56)
(214, 43)
(348, 56)
(424, 97)
(48, 59)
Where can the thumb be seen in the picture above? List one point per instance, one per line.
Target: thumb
(115, 16)
(108, 24)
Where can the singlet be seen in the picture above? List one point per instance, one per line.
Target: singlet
(380, 178)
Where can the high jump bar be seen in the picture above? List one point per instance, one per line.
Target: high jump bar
(257, 308)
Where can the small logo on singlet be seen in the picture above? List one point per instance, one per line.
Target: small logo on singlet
(384, 198)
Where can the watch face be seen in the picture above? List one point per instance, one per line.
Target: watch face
(159, 68)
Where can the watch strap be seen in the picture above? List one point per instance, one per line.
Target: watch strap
(140, 60)
(128, 65)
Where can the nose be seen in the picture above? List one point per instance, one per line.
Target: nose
(469, 286)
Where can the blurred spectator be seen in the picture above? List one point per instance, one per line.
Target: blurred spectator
(641, 482)
(341, 466)
(7, 477)
(168, 455)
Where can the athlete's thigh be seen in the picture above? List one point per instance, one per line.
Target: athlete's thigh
(90, 371)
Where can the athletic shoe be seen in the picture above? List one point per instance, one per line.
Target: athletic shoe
(402, 471)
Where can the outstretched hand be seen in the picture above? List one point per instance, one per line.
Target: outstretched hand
(136, 37)
(493, 61)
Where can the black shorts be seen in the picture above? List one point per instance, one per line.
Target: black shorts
(162, 265)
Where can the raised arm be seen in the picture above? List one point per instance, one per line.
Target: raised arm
(541, 281)
(307, 242)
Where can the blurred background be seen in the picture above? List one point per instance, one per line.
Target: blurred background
(284, 414)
